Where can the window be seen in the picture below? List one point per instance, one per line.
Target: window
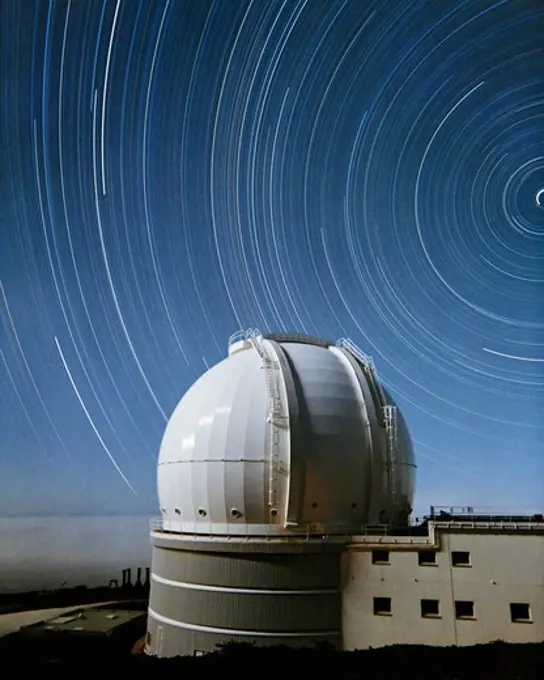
(460, 558)
(430, 609)
(426, 558)
(464, 609)
(520, 612)
(380, 557)
(382, 606)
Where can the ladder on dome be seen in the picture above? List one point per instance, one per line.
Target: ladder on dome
(391, 434)
(275, 416)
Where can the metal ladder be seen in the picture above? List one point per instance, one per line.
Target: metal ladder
(390, 416)
(275, 417)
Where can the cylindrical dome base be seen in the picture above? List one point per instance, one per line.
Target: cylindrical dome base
(206, 592)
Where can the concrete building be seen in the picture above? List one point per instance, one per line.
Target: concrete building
(285, 480)
(467, 580)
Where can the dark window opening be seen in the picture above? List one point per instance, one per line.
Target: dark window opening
(382, 606)
(380, 557)
(426, 557)
(519, 612)
(464, 609)
(460, 558)
(430, 608)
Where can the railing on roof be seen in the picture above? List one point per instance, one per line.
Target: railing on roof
(237, 337)
(250, 533)
(470, 518)
(278, 532)
(481, 513)
(414, 533)
(247, 335)
(503, 525)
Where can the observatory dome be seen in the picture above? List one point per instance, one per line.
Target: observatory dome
(288, 433)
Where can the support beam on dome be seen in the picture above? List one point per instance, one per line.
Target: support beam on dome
(298, 453)
(278, 417)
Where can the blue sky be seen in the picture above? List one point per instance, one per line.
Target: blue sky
(171, 172)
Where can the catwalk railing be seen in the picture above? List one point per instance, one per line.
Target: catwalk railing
(416, 532)
(469, 513)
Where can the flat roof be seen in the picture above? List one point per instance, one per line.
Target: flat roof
(90, 620)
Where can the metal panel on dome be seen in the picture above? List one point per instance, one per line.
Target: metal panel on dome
(332, 425)
(369, 446)
(379, 501)
(211, 461)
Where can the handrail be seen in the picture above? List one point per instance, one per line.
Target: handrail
(242, 334)
(320, 529)
(413, 534)
(447, 513)
(236, 337)
(482, 525)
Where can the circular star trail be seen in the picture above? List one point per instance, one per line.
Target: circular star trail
(174, 171)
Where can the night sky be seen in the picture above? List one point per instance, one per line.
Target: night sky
(171, 172)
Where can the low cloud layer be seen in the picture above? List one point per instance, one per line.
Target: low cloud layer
(45, 552)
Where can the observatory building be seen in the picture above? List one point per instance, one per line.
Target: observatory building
(285, 483)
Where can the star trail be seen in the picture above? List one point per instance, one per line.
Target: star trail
(174, 171)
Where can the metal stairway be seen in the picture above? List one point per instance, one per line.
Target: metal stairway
(390, 417)
(276, 418)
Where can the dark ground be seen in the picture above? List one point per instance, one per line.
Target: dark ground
(497, 661)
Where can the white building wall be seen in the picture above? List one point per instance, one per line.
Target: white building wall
(504, 568)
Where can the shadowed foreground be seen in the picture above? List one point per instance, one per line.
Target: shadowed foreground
(496, 661)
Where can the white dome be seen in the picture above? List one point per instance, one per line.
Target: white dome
(286, 432)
